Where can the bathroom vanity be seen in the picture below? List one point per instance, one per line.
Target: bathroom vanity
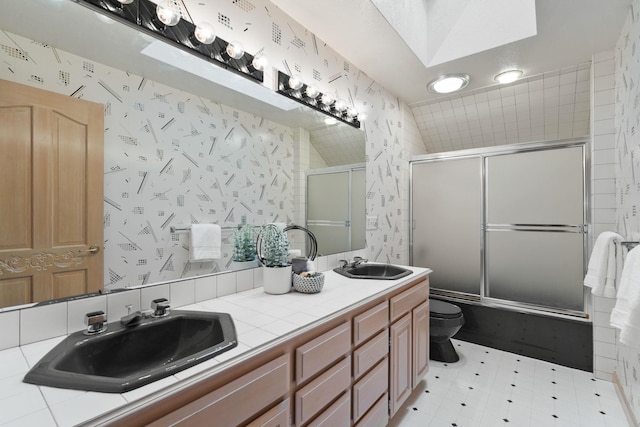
(354, 359)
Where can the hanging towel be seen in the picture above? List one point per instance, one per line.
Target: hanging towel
(205, 242)
(626, 313)
(605, 265)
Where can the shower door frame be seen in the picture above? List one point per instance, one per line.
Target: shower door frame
(483, 154)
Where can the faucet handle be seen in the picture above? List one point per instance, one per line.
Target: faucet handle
(343, 263)
(160, 307)
(95, 322)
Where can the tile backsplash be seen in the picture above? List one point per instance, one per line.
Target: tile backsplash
(37, 323)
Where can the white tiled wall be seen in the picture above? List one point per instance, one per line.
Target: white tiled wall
(29, 325)
(603, 205)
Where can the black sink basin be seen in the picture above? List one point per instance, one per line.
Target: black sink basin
(128, 357)
(373, 271)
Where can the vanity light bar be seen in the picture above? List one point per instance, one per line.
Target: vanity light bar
(298, 92)
(141, 14)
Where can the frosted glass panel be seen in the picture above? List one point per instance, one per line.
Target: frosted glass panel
(544, 268)
(331, 239)
(328, 197)
(541, 187)
(446, 198)
(358, 213)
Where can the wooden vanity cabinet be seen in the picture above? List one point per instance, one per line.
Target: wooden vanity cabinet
(355, 369)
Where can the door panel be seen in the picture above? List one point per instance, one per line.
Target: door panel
(15, 223)
(447, 217)
(52, 177)
(70, 184)
(540, 187)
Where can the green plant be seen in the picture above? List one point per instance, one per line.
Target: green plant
(244, 246)
(273, 247)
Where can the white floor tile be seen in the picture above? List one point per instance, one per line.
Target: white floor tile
(493, 388)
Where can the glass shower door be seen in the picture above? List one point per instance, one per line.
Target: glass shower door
(534, 231)
(328, 211)
(446, 234)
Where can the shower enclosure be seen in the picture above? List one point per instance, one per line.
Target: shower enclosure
(504, 226)
(336, 208)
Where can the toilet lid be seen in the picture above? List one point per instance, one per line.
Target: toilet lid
(443, 310)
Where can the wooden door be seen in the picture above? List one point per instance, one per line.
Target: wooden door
(400, 369)
(51, 195)
(420, 342)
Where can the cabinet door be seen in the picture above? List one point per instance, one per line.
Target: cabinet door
(420, 342)
(401, 367)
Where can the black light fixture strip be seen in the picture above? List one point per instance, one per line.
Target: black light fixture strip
(141, 14)
(299, 96)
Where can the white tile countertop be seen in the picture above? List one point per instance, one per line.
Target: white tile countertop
(261, 320)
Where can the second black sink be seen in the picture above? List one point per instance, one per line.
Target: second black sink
(373, 271)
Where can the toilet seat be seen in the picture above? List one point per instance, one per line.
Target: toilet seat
(443, 310)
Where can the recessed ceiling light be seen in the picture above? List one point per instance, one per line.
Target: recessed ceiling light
(448, 83)
(508, 76)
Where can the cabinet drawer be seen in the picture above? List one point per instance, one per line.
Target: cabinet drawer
(338, 414)
(278, 416)
(253, 392)
(311, 398)
(404, 302)
(369, 389)
(366, 325)
(370, 353)
(378, 416)
(322, 351)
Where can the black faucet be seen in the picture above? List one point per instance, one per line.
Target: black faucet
(160, 307)
(356, 262)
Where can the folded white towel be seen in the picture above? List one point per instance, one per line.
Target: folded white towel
(626, 313)
(205, 242)
(605, 263)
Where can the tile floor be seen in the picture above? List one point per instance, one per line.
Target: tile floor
(493, 388)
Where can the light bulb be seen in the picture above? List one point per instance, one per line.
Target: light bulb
(327, 99)
(448, 83)
(167, 13)
(235, 50)
(508, 76)
(260, 62)
(204, 33)
(311, 92)
(362, 117)
(125, 1)
(352, 112)
(340, 105)
(295, 83)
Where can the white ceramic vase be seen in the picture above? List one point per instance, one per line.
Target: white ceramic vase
(276, 280)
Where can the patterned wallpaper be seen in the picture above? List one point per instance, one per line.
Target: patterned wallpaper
(171, 158)
(174, 158)
(627, 95)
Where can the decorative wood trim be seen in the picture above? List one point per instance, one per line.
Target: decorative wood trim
(40, 262)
